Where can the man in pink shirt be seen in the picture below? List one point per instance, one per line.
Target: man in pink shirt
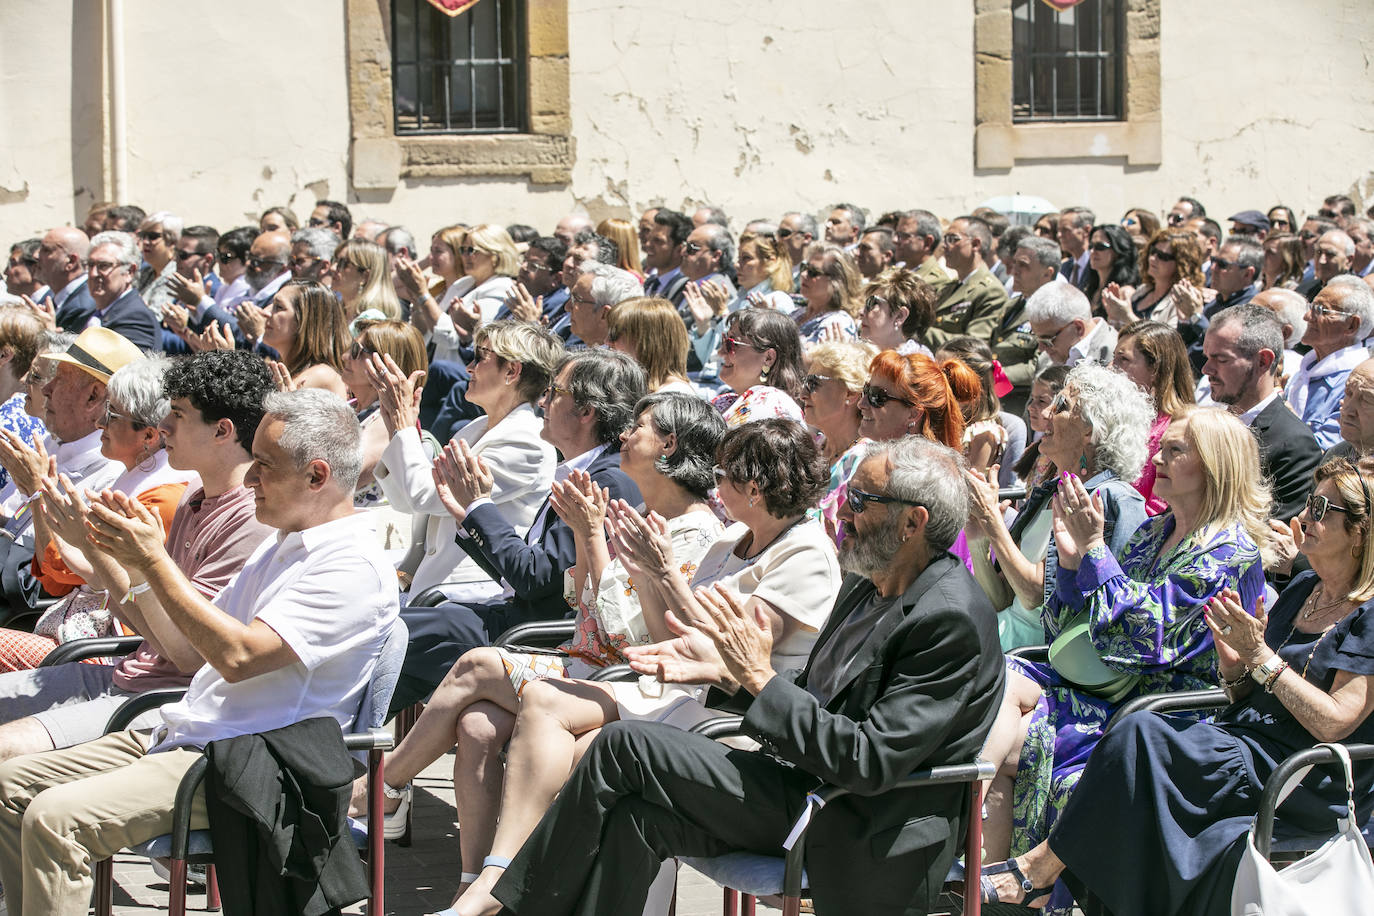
(217, 403)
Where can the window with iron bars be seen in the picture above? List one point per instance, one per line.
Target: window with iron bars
(1068, 65)
(458, 75)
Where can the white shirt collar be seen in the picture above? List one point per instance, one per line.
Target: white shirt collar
(578, 462)
(1248, 418)
(65, 292)
(1343, 360)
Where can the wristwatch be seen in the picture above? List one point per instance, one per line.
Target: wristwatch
(1270, 667)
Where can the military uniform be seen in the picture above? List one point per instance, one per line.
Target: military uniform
(973, 307)
(1018, 351)
(931, 272)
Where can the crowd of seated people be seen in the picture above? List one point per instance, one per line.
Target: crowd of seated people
(824, 472)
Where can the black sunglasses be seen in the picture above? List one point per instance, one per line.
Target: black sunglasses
(814, 381)
(1162, 255)
(1101, 246)
(877, 397)
(858, 500)
(809, 271)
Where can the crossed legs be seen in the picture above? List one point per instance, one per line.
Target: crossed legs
(1003, 748)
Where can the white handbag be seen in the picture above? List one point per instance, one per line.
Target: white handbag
(1338, 878)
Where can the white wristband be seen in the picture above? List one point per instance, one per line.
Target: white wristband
(134, 591)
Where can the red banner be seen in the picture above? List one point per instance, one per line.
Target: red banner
(454, 7)
(1060, 5)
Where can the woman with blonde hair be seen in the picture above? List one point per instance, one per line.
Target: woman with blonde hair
(404, 345)
(362, 278)
(831, 392)
(490, 263)
(306, 325)
(625, 234)
(1295, 676)
(432, 289)
(651, 331)
(1122, 629)
(830, 284)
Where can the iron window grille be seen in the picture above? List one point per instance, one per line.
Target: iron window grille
(458, 75)
(1068, 66)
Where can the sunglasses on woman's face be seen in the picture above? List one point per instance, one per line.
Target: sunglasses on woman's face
(877, 397)
(812, 382)
(1166, 256)
(1102, 246)
(1318, 506)
(812, 272)
(729, 345)
(358, 351)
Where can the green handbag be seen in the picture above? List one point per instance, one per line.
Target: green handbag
(1075, 657)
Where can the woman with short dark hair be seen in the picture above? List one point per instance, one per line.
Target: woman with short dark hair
(779, 561)
(761, 361)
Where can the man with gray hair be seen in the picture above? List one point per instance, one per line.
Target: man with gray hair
(844, 225)
(796, 231)
(1361, 232)
(111, 267)
(398, 242)
(598, 288)
(1066, 330)
(370, 228)
(312, 254)
(1034, 264)
(708, 256)
(1242, 348)
(907, 673)
(294, 636)
(1338, 321)
(1075, 228)
(1334, 252)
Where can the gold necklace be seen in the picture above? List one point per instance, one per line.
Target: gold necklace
(1314, 611)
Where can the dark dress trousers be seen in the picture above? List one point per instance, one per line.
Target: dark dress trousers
(1289, 453)
(922, 689)
(533, 566)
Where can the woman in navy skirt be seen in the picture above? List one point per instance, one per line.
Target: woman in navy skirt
(1158, 822)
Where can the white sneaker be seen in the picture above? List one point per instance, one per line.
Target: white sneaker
(195, 874)
(393, 824)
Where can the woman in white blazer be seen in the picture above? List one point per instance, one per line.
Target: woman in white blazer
(490, 263)
(513, 364)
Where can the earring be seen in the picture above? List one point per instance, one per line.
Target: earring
(661, 464)
(753, 500)
(1083, 464)
(763, 376)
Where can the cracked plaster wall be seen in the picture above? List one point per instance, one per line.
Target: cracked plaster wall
(759, 107)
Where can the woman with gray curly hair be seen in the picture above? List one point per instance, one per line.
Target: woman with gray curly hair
(1097, 426)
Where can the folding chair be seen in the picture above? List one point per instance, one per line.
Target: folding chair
(96, 647)
(184, 845)
(746, 876)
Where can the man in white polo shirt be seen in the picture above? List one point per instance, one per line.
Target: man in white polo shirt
(294, 636)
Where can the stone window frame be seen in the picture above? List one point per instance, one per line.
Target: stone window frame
(379, 158)
(999, 143)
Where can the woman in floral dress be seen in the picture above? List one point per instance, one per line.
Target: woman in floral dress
(1139, 621)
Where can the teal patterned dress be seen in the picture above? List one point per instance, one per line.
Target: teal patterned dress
(1145, 619)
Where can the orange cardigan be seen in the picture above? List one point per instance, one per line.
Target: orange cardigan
(57, 580)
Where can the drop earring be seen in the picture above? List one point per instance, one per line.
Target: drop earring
(763, 376)
(661, 464)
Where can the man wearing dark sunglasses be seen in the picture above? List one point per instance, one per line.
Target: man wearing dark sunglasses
(917, 241)
(905, 674)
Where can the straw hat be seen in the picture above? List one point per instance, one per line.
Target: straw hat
(99, 352)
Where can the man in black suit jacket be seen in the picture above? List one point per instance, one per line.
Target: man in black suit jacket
(907, 673)
(590, 403)
(62, 267)
(1244, 351)
(111, 266)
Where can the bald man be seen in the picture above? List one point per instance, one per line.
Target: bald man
(62, 266)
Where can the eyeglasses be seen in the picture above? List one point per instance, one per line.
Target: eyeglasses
(1318, 506)
(813, 272)
(1165, 256)
(224, 257)
(315, 221)
(553, 391)
(37, 379)
(480, 353)
(729, 345)
(1307, 235)
(784, 233)
(152, 235)
(1175, 219)
(951, 239)
(814, 381)
(1059, 404)
(302, 262)
(533, 266)
(358, 350)
(878, 398)
(111, 416)
(1101, 246)
(873, 302)
(105, 267)
(1324, 311)
(1047, 340)
(1280, 221)
(720, 475)
(264, 262)
(183, 255)
(692, 248)
(857, 500)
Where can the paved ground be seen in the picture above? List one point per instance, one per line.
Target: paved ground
(419, 879)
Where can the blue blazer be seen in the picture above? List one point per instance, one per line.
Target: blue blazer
(130, 317)
(535, 569)
(76, 311)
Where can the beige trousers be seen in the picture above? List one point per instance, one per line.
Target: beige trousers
(62, 811)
